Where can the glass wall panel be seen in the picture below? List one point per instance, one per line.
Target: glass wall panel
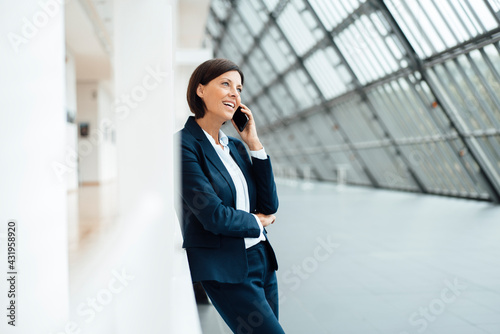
(345, 160)
(229, 49)
(299, 84)
(252, 84)
(296, 31)
(403, 111)
(268, 108)
(271, 4)
(469, 86)
(240, 36)
(221, 8)
(283, 100)
(325, 128)
(332, 13)
(248, 13)
(356, 121)
(262, 67)
(491, 146)
(388, 171)
(277, 50)
(213, 27)
(432, 26)
(402, 94)
(329, 73)
(365, 46)
(440, 169)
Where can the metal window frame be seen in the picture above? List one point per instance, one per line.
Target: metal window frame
(417, 75)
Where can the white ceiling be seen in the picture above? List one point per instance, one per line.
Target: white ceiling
(104, 9)
(89, 33)
(91, 57)
(191, 21)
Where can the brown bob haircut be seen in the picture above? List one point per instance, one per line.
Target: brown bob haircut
(203, 74)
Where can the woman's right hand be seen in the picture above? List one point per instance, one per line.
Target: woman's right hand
(266, 220)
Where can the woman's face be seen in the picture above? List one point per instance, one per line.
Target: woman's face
(221, 95)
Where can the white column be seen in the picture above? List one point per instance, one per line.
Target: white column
(32, 142)
(143, 34)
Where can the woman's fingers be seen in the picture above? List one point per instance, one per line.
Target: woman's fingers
(246, 111)
(266, 219)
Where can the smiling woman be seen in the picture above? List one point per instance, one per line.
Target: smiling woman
(203, 75)
(221, 96)
(228, 197)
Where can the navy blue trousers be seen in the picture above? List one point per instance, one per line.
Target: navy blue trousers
(250, 307)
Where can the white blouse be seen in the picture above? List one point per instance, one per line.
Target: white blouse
(240, 183)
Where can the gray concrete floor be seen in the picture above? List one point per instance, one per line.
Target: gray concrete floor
(362, 261)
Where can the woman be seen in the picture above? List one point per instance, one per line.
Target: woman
(228, 198)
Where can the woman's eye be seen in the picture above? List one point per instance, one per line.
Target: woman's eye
(225, 83)
(239, 90)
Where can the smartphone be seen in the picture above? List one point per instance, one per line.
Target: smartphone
(240, 119)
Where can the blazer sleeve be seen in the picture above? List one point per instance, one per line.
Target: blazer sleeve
(267, 196)
(262, 173)
(202, 201)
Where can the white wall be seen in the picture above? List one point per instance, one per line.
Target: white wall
(161, 293)
(71, 172)
(88, 150)
(32, 139)
(70, 81)
(186, 62)
(97, 152)
(107, 147)
(191, 22)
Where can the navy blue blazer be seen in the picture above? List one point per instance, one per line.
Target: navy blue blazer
(212, 228)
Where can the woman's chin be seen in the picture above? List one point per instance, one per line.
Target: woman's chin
(226, 120)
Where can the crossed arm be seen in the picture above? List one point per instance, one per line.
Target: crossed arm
(202, 201)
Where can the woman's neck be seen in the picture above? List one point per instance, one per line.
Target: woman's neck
(210, 126)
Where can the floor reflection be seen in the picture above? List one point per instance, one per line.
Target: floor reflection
(92, 211)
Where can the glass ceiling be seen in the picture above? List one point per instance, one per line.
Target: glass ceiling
(395, 94)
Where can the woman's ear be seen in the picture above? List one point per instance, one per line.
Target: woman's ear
(199, 90)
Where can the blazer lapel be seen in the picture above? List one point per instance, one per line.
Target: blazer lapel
(210, 152)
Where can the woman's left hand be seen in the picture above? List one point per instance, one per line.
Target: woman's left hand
(266, 220)
(249, 134)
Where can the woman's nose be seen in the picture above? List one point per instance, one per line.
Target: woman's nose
(234, 92)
